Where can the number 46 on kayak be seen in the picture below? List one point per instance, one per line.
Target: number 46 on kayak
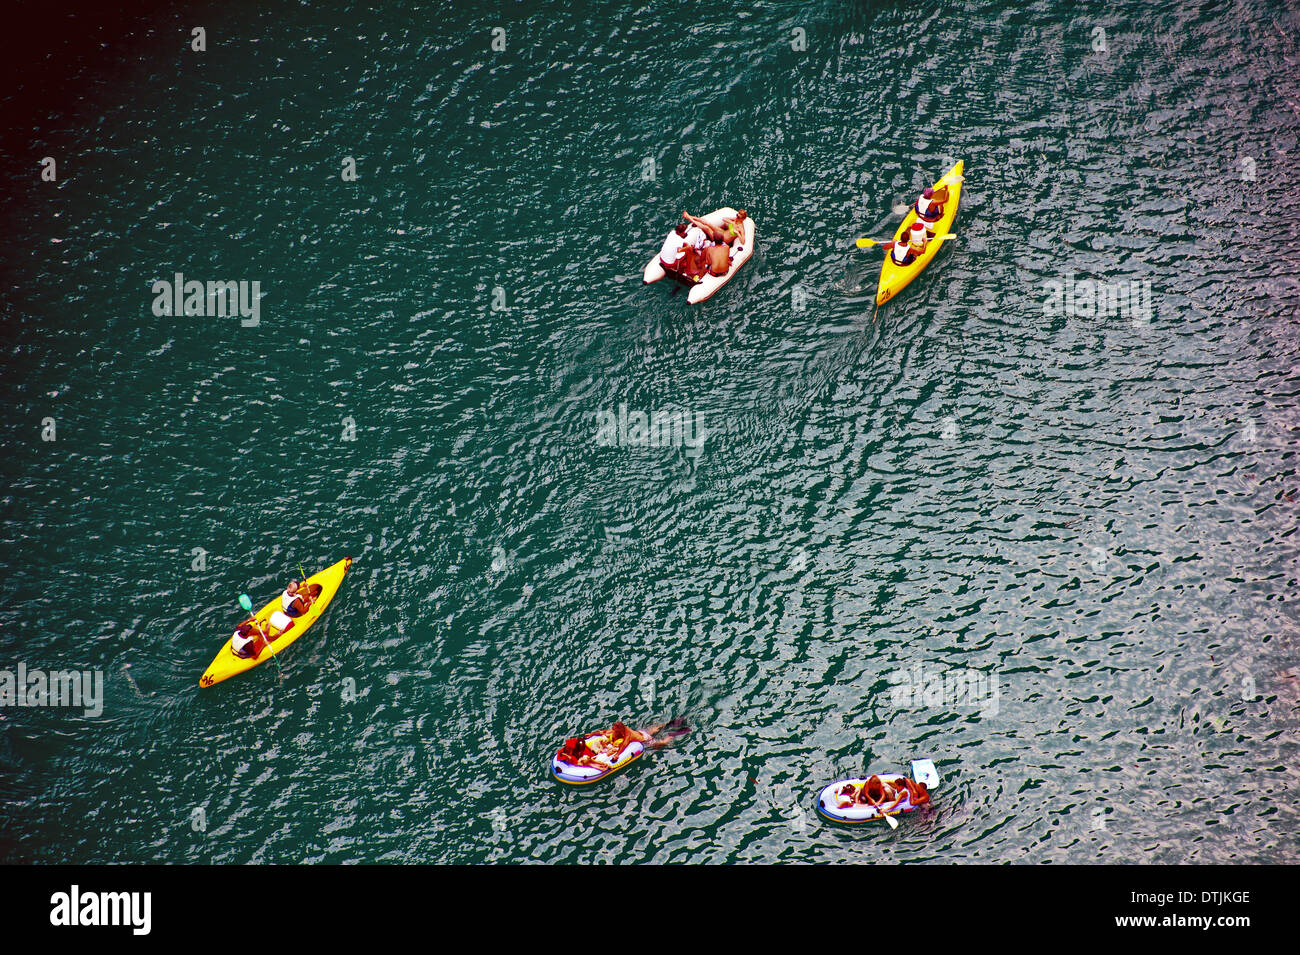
(269, 632)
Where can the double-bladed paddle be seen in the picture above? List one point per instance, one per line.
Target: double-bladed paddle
(868, 243)
(247, 604)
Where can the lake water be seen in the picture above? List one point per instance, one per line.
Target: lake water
(1071, 530)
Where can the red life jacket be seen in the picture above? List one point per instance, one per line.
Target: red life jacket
(573, 750)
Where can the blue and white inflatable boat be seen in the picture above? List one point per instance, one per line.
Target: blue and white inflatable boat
(923, 771)
(582, 775)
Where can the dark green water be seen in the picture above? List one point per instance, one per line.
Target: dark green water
(1097, 513)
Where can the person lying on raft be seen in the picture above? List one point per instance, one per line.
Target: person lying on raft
(604, 750)
(880, 794)
(576, 752)
(874, 792)
(731, 229)
(609, 746)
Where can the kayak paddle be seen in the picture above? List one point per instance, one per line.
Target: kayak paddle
(893, 823)
(247, 604)
(868, 243)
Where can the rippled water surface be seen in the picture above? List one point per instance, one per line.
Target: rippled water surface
(1095, 514)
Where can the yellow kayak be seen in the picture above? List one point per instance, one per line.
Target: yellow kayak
(227, 664)
(894, 278)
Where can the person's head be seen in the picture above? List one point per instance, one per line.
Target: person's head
(681, 229)
(875, 788)
(293, 587)
(929, 192)
(244, 629)
(742, 215)
(619, 731)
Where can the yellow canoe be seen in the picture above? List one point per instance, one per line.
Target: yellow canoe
(894, 278)
(227, 664)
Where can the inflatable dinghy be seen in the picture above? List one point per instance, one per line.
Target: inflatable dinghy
(707, 286)
(923, 771)
(582, 775)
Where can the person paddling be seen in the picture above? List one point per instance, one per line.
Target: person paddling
(605, 749)
(294, 600)
(731, 229)
(248, 640)
(881, 795)
(905, 250)
(929, 206)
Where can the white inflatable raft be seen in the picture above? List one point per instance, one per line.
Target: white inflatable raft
(705, 288)
(923, 771)
(581, 775)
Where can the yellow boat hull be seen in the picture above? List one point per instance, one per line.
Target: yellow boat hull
(227, 664)
(894, 278)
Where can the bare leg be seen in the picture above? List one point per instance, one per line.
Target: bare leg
(660, 736)
(713, 232)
